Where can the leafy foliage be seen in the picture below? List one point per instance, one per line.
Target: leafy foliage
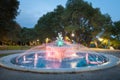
(50, 24)
(27, 35)
(78, 17)
(8, 12)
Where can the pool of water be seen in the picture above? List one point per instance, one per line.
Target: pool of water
(39, 60)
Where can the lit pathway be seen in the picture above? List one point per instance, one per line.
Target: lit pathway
(106, 74)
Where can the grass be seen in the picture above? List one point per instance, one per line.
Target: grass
(14, 47)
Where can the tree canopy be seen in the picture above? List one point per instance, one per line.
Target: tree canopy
(8, 25)
(78, 17)
(50, 24)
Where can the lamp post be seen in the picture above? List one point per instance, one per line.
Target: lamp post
(73, 35)
(37, 41)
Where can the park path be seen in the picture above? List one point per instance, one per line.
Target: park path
(11, 51)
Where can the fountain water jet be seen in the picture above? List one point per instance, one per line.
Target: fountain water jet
(59, 57)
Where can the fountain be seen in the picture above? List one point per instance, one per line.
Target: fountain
(59, 57)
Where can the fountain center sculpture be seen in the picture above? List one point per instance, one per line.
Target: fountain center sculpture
(60, 41)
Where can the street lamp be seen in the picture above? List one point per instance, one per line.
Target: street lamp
(37, 41)
(72, 34)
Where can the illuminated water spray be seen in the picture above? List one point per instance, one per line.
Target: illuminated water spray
(59, 56)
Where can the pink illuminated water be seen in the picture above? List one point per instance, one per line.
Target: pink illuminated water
(60, 57)
(66, 56)
(58, 53)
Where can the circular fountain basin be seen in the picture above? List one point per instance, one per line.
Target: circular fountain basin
(61, 58)
(67, 65)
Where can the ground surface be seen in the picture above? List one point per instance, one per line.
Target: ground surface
(106, 74)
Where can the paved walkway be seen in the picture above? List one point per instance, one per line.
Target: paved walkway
(11, 51)
(106, 74)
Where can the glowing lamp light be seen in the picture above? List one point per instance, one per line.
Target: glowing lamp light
(100, 39)
(72, 34)
(67, 38)
(112, 48)
(37, 39)
(46, 40)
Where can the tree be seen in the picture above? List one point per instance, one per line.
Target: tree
(50, 24)
(8, 12)
(14, 30)
(115, 30)
(115, 34)
(27, 35)
(86, 20)
(78, 17)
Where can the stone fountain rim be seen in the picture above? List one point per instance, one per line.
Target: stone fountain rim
(6, 62)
